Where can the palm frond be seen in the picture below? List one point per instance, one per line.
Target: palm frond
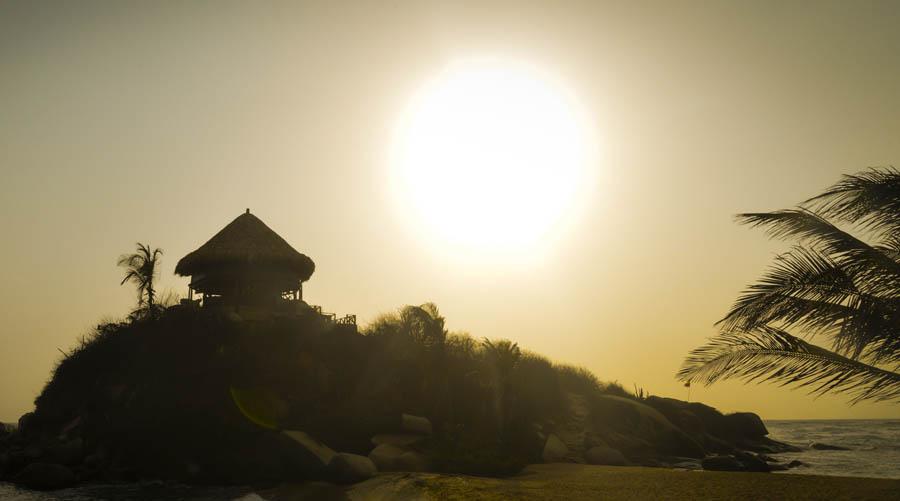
(131, 261)
(869, 198)
(130, 276)
(808, 290)
(872, 268)
(768, 354)
(873, 327)
(834, 284)
(803, 288)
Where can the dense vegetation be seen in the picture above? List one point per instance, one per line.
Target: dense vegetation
(193, 389)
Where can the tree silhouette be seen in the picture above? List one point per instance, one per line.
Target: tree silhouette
(832, 285)
(502, 358)
(140, 269)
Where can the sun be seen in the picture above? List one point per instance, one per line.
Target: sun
(490, 157)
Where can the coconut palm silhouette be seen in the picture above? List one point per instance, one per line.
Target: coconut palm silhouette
(833, 285)
(140, 269)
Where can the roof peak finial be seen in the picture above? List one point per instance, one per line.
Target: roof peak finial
(248, 210)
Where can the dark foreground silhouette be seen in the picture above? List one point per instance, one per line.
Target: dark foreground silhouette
(839, 285)
(202, 396)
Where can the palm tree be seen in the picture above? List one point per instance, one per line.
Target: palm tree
(425, 325)
(832, 285)
(502, 358)
(140, 269)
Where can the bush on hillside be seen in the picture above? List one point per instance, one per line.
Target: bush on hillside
(193, 387)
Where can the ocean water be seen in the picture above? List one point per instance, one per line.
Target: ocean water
(874, 446)
(874, 451)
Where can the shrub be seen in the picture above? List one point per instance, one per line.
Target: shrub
(191, 385)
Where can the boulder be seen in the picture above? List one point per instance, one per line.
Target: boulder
(768, 446)
(752, 462)
(347, 468)
(415, 424)
(591, 439)
(689, 464)
(412, 461)
(691, 417)
(71, 426)
(604, 455)
(15, 460)
(45, 476)
(398, 439)
(638, 429)
(745, 424)
(783, 467)
(386, 457)
(33, 452)
(306, 455)
(555, 450)
(26, 423)
(96, 460)
(721, 463)
(826, 447)
(67, 453)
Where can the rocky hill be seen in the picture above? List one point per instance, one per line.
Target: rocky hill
(204, 398)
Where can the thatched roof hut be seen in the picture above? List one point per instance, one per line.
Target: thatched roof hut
(246, 262)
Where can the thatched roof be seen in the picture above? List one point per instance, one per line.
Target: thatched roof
(246, 241)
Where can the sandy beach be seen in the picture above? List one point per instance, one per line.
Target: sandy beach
(573, 481)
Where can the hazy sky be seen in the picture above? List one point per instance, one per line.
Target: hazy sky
(162, 121)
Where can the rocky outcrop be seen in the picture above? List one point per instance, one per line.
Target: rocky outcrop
(685, 464)
(412, 461)
(738, 462)
(27, 424)
(4, 463)
(307, 456)
(415, 424)
(745, 424)
(111, 413)
(721, 463)
(386, 457)
(638, 430)
(753, 462)
(68, 453)
(555, 451)
(402, 451)
(45, 476)
(826, 447)
(396, 439)
(604, 456)
(717, 432)
(346, 468)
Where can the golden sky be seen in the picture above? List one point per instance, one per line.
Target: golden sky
(162, 121)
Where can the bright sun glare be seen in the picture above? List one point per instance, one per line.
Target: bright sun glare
(491, 157)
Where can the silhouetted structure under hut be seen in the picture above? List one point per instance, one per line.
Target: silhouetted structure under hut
(249, 269)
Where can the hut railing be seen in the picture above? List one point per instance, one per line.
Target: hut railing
(347, 320)
(333, 318)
